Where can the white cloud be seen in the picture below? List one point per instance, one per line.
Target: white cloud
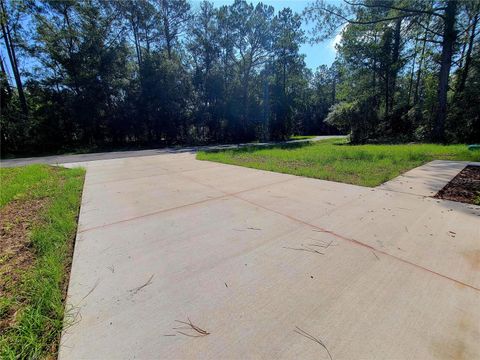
(338, 38)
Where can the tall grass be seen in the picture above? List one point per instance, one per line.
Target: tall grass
(39, 299)
(335, 160)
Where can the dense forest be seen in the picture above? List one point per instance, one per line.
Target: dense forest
(99, 73)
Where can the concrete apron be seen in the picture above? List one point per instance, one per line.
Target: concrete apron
(178, 258)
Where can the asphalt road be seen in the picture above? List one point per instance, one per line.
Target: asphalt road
(62, 159)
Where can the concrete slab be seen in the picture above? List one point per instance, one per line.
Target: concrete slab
(267, 263)
(441, 236)
(428, 179)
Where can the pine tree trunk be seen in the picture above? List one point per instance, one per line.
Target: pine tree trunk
(395, 61)
(7, 38)
(412, 73)
(4, 72)
(449, 36)
(468, 57)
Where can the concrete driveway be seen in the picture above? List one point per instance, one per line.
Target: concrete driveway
(177, 258)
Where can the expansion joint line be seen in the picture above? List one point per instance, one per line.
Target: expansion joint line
(226, 195)
(364, 245)
(292, 218)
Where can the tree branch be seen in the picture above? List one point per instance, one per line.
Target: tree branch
(429, 40)
(428, 29)
(355, 22)
(416, 11)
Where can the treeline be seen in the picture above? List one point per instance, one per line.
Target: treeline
(100, 73)
(409, 69)
(154, 72)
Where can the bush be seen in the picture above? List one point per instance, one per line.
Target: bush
(356, 118)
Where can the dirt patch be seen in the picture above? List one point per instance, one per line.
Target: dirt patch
(465, 187)
(16, 252)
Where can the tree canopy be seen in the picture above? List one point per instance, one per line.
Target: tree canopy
(404, 67)
(100, 73)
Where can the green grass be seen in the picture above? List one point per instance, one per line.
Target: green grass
(38, 297)
(16, 182)
(476, 201)
(302, 137)
(335, 160)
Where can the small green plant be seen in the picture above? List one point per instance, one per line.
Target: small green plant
(477, 199)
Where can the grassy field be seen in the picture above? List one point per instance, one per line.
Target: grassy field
(38, 218)
(302, 137)
(335, 160)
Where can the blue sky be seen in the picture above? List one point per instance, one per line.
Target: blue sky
(315, 55)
